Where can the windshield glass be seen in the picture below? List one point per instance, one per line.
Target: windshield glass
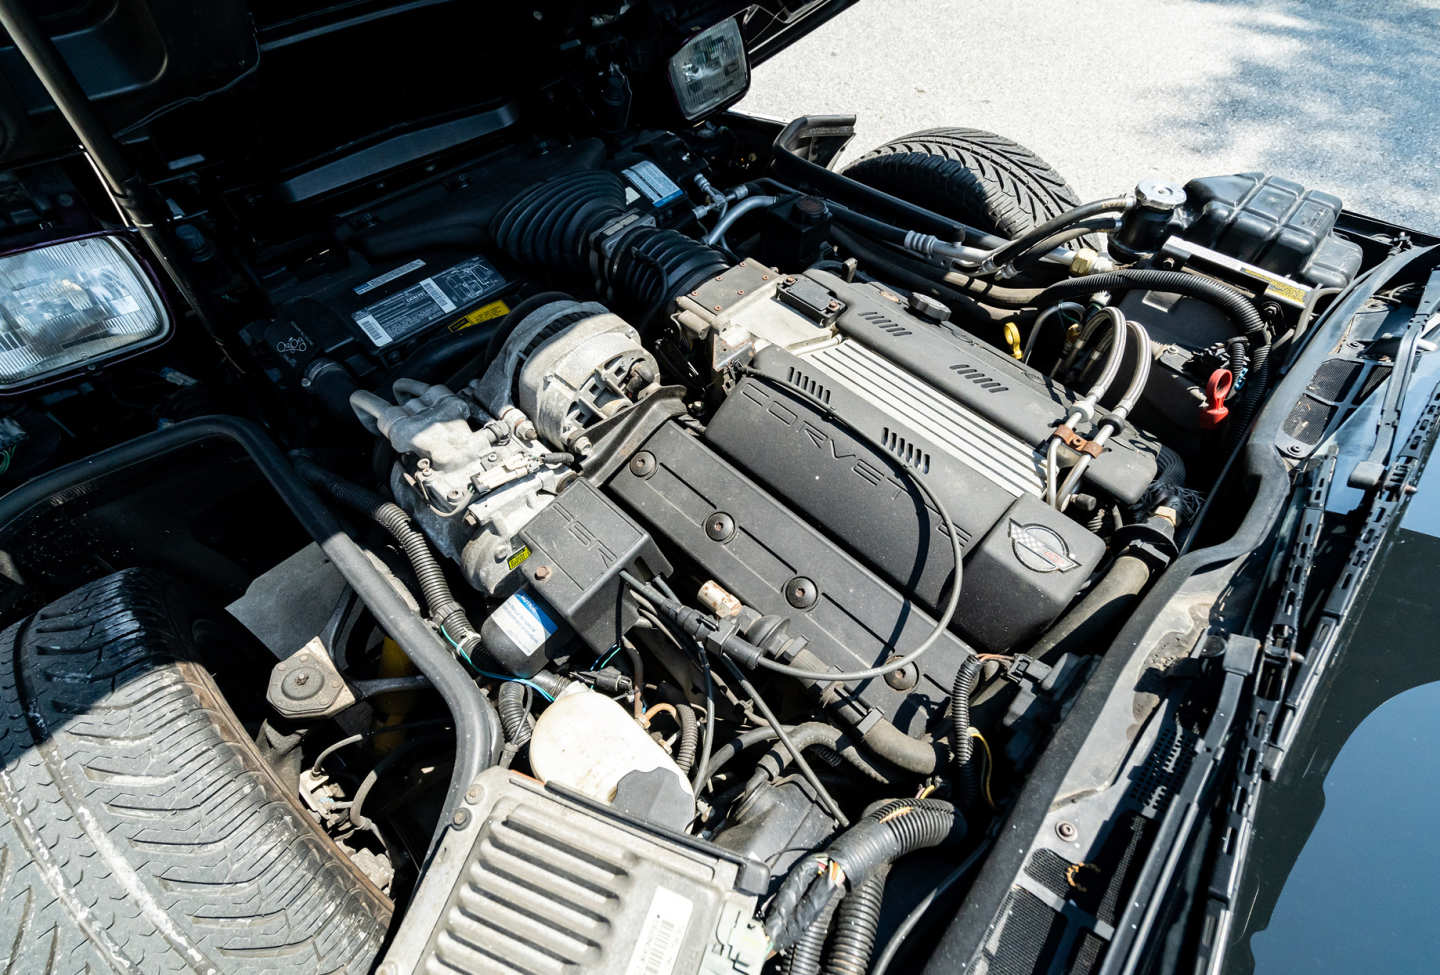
(1344, 871)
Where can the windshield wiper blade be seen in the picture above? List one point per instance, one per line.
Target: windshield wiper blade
(1371, 473)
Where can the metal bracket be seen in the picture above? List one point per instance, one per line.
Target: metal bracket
(307, 685)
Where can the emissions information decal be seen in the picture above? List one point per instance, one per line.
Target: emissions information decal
(426, 302)
(662, 934)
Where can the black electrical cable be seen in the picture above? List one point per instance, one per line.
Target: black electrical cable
(962, 749)
(701, 772)
(897, 938)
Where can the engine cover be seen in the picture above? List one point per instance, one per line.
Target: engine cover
(850, 398)
(1024, 561)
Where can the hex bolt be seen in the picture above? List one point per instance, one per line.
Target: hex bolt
(472, 794)
(1066, 831)
(302, 678)
(542, 573)
(461, 819)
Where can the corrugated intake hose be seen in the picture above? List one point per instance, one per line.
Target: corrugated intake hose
(883, 836)
(962, 749)
(514, 713)
(439, 601)
(558, 224)
(856, 922)
(477, 739)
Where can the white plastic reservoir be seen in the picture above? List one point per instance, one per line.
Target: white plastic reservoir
(587, 742)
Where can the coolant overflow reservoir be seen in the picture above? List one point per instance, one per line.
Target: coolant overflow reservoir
(586, 742)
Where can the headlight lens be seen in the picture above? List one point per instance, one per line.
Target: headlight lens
(709, 69)
(67, 305)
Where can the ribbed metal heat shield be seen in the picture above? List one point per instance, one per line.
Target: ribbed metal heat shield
(965, 435)
(536, 883)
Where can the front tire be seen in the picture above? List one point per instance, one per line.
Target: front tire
(976, 177)
(139, 828)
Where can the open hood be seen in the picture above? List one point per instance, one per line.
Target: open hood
(312, 76)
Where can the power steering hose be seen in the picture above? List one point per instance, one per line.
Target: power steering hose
(477, 726)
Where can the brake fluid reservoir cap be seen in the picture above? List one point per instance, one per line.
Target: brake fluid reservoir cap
(587, 742)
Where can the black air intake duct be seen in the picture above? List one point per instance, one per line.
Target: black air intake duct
(578, 223)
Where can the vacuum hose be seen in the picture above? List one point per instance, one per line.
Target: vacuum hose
(572, 223)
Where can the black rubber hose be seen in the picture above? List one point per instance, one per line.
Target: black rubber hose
(818, 734)
(894, 271)
(962, 748)
(477, 746)
(855, 926)
(439, 600)
(403, 751)
(1086, 627)
(514, 707)
(1038, 233)
(1238, 308)
(428, 362)
(914, 755)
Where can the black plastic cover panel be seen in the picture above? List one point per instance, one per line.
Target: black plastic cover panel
(856, 620)
(1024, 561)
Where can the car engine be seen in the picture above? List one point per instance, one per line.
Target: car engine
(755, 532)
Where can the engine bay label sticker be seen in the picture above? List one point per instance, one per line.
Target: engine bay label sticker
(482, 314)
(388, 276)
(651, 181)
(519, 557)
(427, 302)
(522, 620)
(662, 934)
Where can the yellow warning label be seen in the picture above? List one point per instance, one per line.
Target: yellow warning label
(1279, 288)
(482, 314)
(519, 556)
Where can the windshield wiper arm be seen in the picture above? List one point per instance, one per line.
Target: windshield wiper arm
(1371, 473)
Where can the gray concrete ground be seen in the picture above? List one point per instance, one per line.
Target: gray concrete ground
(1343, 96)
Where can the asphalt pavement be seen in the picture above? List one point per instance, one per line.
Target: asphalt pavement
(1342, 96)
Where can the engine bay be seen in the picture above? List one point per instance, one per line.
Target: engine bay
(780, 532)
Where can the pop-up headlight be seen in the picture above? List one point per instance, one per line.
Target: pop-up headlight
(710, 69)
(69, 305)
